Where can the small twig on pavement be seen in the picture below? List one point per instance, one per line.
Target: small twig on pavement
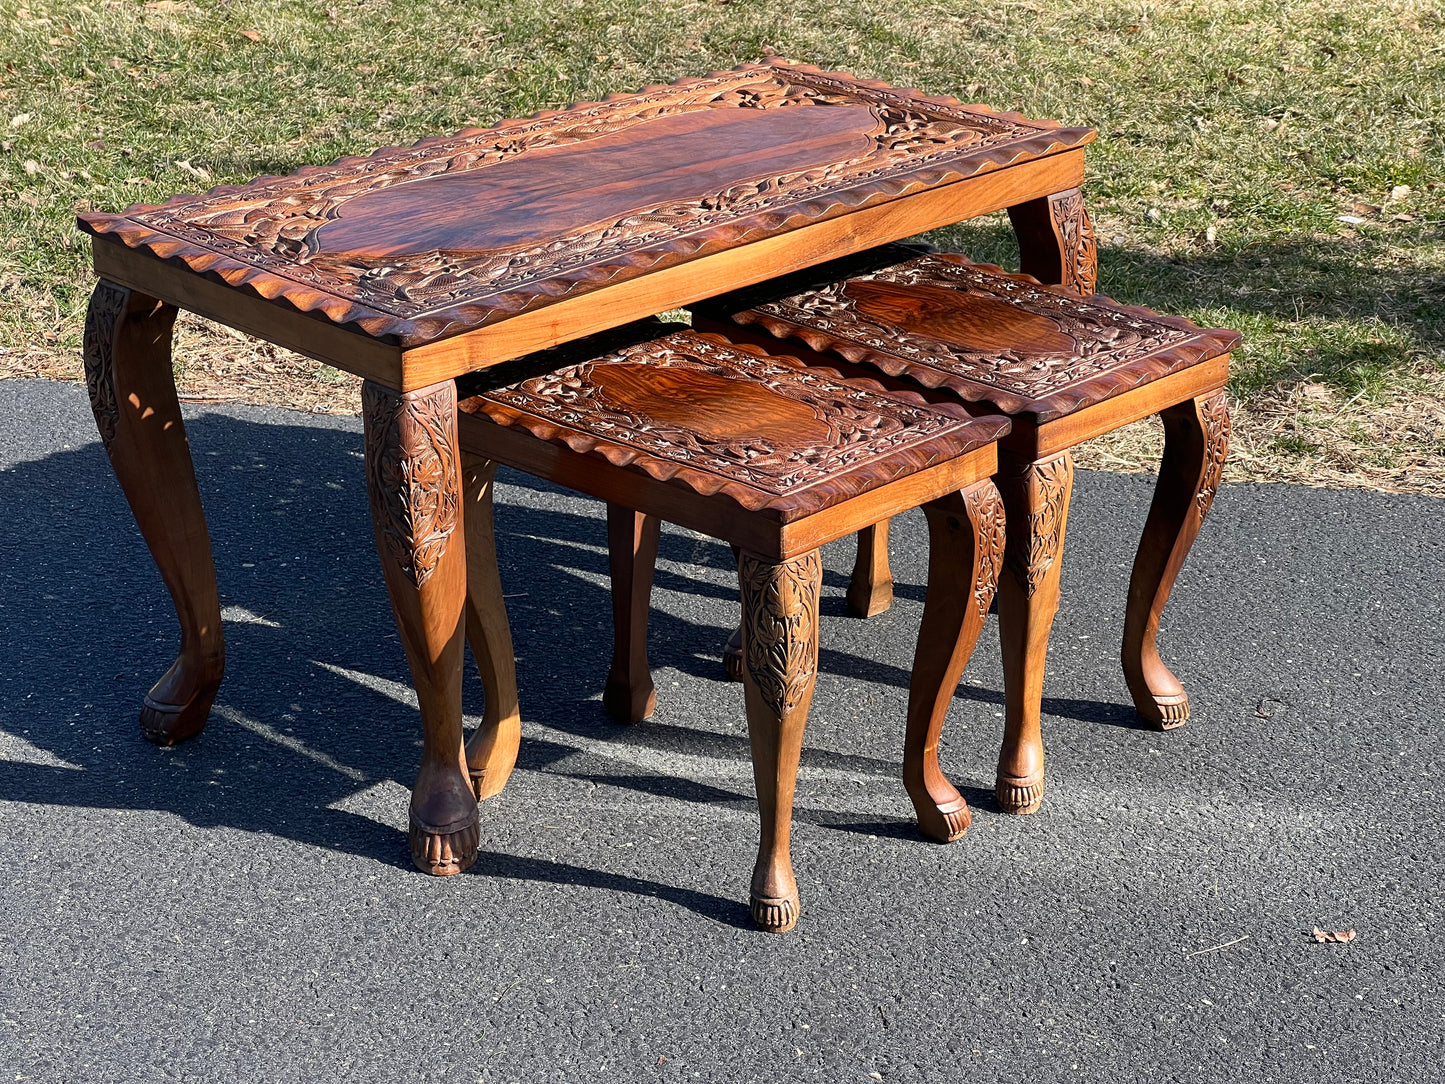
(1216, 948)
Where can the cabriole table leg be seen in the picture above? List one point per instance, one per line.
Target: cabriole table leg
(1036, 500)
(965, 552)
(1196, 441)
(414, 477)
(133, 395)
(492, 750)
(1056, 241)
(780, 668)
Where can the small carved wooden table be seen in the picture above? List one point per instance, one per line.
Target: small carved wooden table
(416, 265)
(777, 458)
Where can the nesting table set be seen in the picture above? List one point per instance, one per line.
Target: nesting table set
(496, 289)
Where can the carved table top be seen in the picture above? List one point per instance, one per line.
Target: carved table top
(697, 411)
(418, 244)
(1030, 351)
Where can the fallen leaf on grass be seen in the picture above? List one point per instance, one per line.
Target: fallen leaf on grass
(195, 171)
(1337, 937)
(251, 35)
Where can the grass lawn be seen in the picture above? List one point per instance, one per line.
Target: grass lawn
(1277, 167)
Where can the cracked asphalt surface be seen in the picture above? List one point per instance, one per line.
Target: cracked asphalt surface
(242, 908)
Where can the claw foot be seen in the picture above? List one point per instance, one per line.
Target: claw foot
(774, 914)
(944, 824)
(445, 850)
(177, 706)
(1019, 796)
(1164, 712)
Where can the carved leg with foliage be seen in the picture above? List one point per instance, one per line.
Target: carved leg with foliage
(780, 652)
(1196, 441)
(133, 395)
(492, 750)
(965, 552)
(629, 695)
(1056, 241)
(1036, 500)
(870, 591)
(413, 473)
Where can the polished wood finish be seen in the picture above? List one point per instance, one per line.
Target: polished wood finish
(757, 260)
(764, 452)
(1036, 504)
(414, 478)
(629, 695)
(133, 396)
(538, 198)
(1064, 368)
(965, 551)
(1196, 441)
(809, 454)
(492, 749)
(306, 333)
(1004, 343)
(870, 589)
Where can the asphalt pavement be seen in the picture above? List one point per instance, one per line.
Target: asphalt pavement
(242, 908)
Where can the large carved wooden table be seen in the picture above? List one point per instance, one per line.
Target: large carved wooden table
(416, 265)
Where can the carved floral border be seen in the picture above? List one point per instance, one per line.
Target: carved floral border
(874, 437)
(1115, 347)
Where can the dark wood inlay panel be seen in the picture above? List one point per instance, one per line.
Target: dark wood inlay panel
(716, 408)
(547, 195)
(965, 320)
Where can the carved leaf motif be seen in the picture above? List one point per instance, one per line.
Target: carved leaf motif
(780, 626)
(1032, 561)
(1076, 229)
(106, 304)
(986, 508)
(1214, 412)
(413, 474)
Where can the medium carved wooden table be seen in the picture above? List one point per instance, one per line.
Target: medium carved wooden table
(413, 266)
